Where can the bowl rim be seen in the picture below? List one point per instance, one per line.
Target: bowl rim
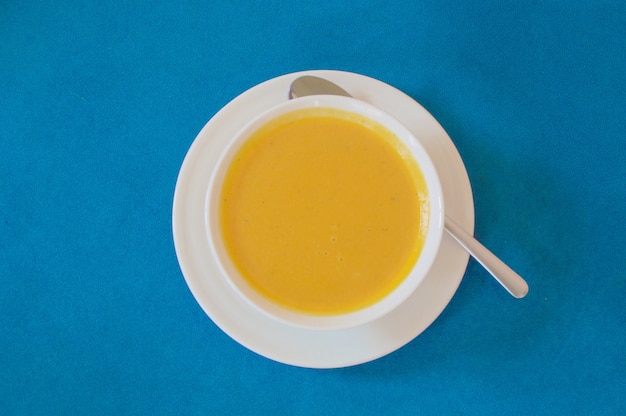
(359, 317)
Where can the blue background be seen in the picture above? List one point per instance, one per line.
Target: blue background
(100, 101)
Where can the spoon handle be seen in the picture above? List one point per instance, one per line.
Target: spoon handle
(510, 280)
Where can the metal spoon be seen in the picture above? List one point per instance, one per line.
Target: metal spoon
(511, 281)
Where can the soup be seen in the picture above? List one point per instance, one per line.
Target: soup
(323, 211)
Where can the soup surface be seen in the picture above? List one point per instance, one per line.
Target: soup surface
(323, 211)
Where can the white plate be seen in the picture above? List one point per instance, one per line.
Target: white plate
(297, 346)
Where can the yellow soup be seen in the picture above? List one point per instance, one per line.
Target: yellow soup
(323, 211)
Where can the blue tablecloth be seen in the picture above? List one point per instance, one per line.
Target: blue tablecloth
(100, 101)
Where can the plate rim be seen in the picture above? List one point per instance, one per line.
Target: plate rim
(217, 310)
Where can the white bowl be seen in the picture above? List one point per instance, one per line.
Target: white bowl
(339, 321)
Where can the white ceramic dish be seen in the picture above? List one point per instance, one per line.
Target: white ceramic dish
(435, 208)
(300, 346)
